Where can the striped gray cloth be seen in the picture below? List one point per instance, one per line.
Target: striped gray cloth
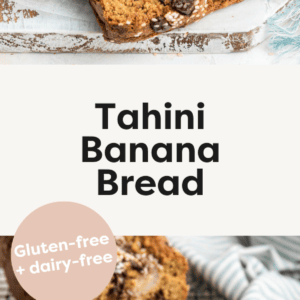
(245, 268)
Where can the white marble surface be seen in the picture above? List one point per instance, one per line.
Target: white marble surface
(60, 20)
(76, 16)
(261, 55)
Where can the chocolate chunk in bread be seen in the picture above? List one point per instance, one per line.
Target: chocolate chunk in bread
(185, 7)
(159, 24)
(166, 2)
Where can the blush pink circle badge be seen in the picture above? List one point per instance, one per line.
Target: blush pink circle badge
(64, 251)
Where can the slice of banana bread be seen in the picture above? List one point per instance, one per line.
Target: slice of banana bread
(125, 21)
(148, 268)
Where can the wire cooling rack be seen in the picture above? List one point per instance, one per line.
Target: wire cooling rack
(3, 286)
(199, 289)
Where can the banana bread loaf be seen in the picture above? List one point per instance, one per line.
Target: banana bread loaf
(148, 268)
(125, 21)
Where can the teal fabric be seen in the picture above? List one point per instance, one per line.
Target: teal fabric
(285, 29)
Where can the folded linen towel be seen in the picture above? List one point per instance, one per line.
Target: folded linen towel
(242, 272)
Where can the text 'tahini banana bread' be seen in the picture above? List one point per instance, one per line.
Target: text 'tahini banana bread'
(148, 268)
(125, 21)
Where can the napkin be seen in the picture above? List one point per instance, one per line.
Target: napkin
(285, 29)
(245, 268)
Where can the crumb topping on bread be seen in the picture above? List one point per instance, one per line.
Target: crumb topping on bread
(147, 268)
